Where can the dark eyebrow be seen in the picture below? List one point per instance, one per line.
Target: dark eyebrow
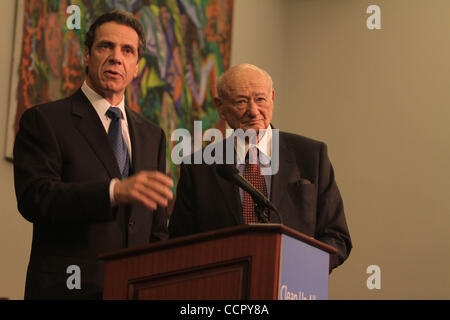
(105, 42)
(129, 46)
(112, 44)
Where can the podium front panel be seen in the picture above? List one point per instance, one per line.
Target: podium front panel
(226, 280)
(225, 267)
(303, 271)
(262, 262)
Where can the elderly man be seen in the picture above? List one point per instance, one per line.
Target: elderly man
(89, 172)
(303, 187)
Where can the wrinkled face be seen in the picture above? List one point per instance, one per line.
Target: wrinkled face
(247, 100)
(113, 59)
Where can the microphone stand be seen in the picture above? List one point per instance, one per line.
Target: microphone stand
(261, 214)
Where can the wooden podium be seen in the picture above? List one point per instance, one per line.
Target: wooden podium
(242, 262)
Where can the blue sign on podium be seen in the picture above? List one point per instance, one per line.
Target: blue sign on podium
(303, 271)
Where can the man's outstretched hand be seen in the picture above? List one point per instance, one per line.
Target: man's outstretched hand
(150, 188)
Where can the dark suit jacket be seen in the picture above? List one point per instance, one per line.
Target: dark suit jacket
(63, 165)
(304, 191)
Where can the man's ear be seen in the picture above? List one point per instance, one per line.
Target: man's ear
(86, 57)
(137, 70)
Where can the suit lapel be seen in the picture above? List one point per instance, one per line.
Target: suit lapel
(88, 123)
(230, 191)
(142, 135)
(135, 139)
(231, 194)
(288, 173)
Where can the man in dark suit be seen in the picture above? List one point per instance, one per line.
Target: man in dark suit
(89, 172)
(302, 188)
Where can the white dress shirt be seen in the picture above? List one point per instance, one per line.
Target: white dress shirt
(264, 146)
(101, 105)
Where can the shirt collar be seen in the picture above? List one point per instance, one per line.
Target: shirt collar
(100, 104)
(264, 146)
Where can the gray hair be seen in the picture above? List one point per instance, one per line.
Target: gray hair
(222, 77)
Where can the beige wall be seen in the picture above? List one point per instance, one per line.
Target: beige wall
(380, 101)
(258, 38)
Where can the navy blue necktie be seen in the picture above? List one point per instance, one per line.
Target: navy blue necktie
(117, 141)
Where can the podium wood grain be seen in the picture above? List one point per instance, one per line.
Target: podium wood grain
(235, 263)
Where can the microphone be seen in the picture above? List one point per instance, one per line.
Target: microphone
(231, 174)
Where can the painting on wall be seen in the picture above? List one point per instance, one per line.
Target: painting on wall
(188, 45)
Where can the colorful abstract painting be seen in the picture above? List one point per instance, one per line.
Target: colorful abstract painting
(187, 48)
